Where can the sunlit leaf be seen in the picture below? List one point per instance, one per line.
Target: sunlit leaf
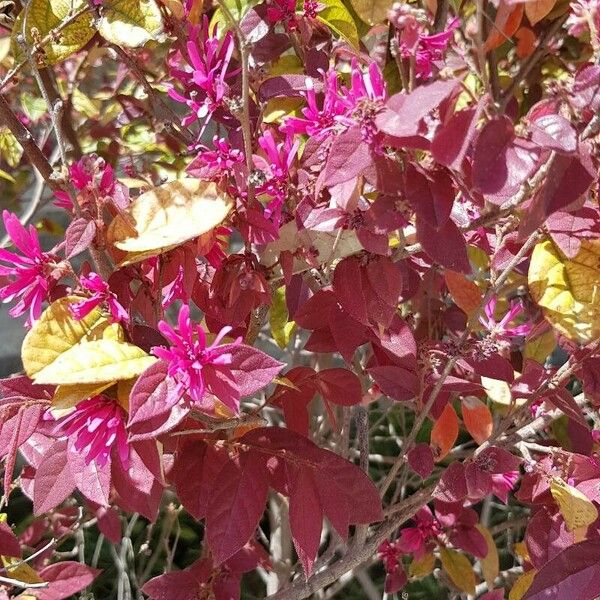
(169, 215)
(540, 348)
(43, 16)
(56, 331)
(336, 16)
(281, 327)
(459, 570)
(477, 418)
(67, 396)
(577, 511)
(568, 290)
(96, 362)
(490, 564)
(445, 431)
(131, 23)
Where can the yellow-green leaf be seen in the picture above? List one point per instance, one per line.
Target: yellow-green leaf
(459, 570)
(568, 289)
(540, 348)
(337, 17)
(56, 331)
(10, 149)
(169, 215)
(21, 572)
(490, 564)
(372, 11)
(42, 16)
(99, 361)
(281, 327)
(131, 23)
(521, 585)
(33, 106)
(577, 510)
(422, 567)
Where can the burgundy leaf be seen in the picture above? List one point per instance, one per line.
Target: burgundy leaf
(452, 139)
(396, 382)
(404, 112)
(445, 245)
(251, 368)
(79, 236)
(339, 386)
(306, 517)
(420, 459)
(65, 579)
(554, 132)
(452, 486)
(236, 505)
(180, 585)
(574, 573)
(109, 524)
(9, 544)
(53, 481)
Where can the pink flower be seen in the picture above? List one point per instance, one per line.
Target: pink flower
(414, 540)
(216, 163)
(318, 122)
(283, 11)
(100, 294)
(279, 161)
(33, 273)
(504, 483)
(503, 330)
(413, 41)
(205, 87)
(342, 107)
(99, 425)
(196, 367)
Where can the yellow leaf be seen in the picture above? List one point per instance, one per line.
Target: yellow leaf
(67, 396)
(10, 149)
(577, 511)
(43, 16)
(459, 570)
(281, 327)
(100, 361)
(372, 11)
(56, 331)
(568, 289)
(22, 572)
(169, 215)
(337, 17)
(540, 348)
(124, 388)
(278, 108)
(536, 10)
(521, 585)
(490, 565)
(520, 549)
(131, 23)
(422, 567)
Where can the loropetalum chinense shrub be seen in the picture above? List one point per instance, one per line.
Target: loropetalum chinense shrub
(311, 293)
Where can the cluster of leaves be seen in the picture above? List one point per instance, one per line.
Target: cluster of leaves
(325, 298)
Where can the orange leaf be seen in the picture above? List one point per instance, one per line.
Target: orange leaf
(507, 22)
(464, 292)
(445, 432)
(477, 418)
(536, 10)
(526, 42)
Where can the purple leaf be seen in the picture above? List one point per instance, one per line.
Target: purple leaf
(252, 369)
(554, 132)
(339, 386)
(445, 245)
(420, 459)
(452, 139)
(9, 544)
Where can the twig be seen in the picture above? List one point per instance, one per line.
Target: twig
(441, 16)
(24, 137)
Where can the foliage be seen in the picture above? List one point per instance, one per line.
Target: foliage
(310, 289)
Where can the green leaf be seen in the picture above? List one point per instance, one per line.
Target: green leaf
(281, 326)
(33, 106)
(99, 361)
(131, 23)
(10, 149)
(336, 16)
(237, 8)
(43, 16)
